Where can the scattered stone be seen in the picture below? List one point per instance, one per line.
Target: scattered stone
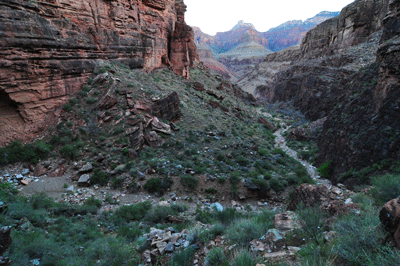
(170, 248)
(156, 125)
(286, 221)
(70, 189)
(26, 181)
(84, 180)
(140, 176)
(101, 78)
(86, 168)
(25, 171)
(59, 171)
(247, 182)
(217, 206)
(154, 140)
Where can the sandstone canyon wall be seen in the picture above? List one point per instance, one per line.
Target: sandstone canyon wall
(346, 69)
(48, 48)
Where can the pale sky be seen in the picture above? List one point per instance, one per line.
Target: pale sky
(214, 16)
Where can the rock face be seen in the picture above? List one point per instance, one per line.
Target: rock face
(241, 48)
(346, 69)
(390, 219)
(49, 48)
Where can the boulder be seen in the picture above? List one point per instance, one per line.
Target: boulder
(154, 140)
(167, 108)
(84, 180)
(286, 221)
(265, 122)
(39, 170)
(86, 168)
(390, 219)
(156, 125)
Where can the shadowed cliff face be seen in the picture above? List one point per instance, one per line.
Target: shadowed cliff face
(346, 69)
(49, 48)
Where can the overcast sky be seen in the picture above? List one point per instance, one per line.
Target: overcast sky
(214, 16)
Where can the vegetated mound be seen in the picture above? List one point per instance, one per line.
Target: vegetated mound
(346, 78)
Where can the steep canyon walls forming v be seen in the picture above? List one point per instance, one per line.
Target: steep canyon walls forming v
(48, 48)
(346, 69)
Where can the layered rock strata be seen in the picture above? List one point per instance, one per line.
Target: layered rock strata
(49, 48)
(346, 69)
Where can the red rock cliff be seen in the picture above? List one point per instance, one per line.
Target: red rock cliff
(48, 48)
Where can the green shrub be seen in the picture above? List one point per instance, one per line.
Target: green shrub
(110, 251)
(183, 257)
(243, 258)
(216, 257)
(130, 232)
(159, 214)
(312, 220)
(326, 170)
(189, 181)
(263, 187)
(41, 201)
(31, 153)
(99, 178)
(358, 239)
(385, 188)
(117, 182)
(69, 151)
(90, 100)
(211, 191)
(153, 185)
(134, 212)
(244, 230)
(92, 201)
(67, 107)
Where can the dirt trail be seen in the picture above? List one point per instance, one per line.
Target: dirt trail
(280, 142)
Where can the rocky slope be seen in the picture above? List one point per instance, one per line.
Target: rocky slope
(49, 48)
(345, 69)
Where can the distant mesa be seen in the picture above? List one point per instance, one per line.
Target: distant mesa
(242, 47)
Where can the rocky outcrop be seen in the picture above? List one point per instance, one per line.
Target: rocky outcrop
(49, 48)
(353, 26)
(364, 129)
(328, 198)
(390, 219)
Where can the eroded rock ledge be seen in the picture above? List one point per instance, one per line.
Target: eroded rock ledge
(48, 48)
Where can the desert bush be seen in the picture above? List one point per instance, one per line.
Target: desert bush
(312, 220)
(183, 257)
(216, 257)
(153, 185)
(92, 201)
(243, 231)
(359, 239)
(385, 188)
(243, 258)
(130, 232)
(110, 251)
(159, 214)
(189, 181)
(326, 170)
(134, 212)
(99, 177)
(69, 151)
(31, 153)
